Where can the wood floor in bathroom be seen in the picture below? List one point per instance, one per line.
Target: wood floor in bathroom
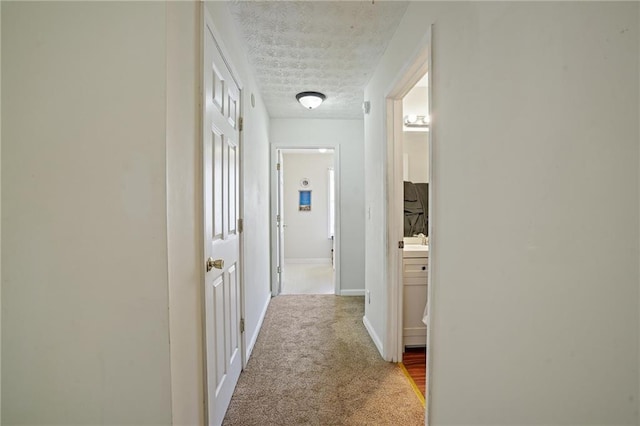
(414, 360)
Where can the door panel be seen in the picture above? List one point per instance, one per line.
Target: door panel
(232, 110)
(233, 200)
(217, 86)
(221, 239)
(218, 325)
(218, 183)
(234, 303)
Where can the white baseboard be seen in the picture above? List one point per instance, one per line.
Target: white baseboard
(374, 336)
(307, 260)
(359, 292)
(252, 342)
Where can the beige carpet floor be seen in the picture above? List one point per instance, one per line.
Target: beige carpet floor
(315, 364)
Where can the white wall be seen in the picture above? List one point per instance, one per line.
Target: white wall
(307, 232)
(416, 146)
(184, 210)
(84, 283)
(101, 166)
(347, 137)
(255, 181)
(416, 102)
(0, 211)
(535, 209)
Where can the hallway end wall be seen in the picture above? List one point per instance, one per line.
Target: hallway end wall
(307, 232)
(535, 171)
(348, 136)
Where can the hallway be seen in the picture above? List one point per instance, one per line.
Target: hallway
(314, 364)
(123, 300)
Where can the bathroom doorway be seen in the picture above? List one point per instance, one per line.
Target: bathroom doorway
(305, 221)
(409, 212)
(415, 220)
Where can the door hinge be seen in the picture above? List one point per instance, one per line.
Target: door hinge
(241, 325)
(240, 225)
(240, 123)
(400, 244)
(278, 218)
(278, 166)
(279, 270)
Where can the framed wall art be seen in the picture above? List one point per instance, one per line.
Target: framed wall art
(304, 200)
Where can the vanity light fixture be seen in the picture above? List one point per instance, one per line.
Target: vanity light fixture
(310, 100)
(417, 121)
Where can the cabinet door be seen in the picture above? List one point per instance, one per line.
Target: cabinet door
(414, 300)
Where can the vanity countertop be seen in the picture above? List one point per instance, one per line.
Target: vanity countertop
(415, 250)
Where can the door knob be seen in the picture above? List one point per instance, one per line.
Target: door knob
(211, 263)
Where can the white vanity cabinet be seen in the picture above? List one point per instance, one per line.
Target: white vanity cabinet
(414, 276)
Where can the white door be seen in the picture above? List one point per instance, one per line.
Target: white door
(221, 237)
(280, 223)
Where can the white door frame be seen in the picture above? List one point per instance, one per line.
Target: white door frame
(279, 223)
(417, 66)
(275, 147)
(207, 24)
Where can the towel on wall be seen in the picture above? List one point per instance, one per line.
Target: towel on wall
(416, 198)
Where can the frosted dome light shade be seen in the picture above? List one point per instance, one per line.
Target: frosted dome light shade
(310, 100)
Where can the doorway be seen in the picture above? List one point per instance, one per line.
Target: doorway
(409, 211)
(306, 236)
(306, 200)
(415, 219)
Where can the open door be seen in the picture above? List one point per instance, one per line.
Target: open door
(280, 223)
(222, 292)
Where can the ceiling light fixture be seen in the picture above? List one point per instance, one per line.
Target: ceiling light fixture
(310, 100)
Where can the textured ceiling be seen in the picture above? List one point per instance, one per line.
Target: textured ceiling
(329, 47)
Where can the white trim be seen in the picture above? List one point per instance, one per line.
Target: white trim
(273, 226)
(395, 230)
(254, 338)
(203, 22)
(430, 228)
(337, 245)
(296, 260)
(352, 292)
(372, 333)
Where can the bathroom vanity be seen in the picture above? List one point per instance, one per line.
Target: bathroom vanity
(415, 266)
